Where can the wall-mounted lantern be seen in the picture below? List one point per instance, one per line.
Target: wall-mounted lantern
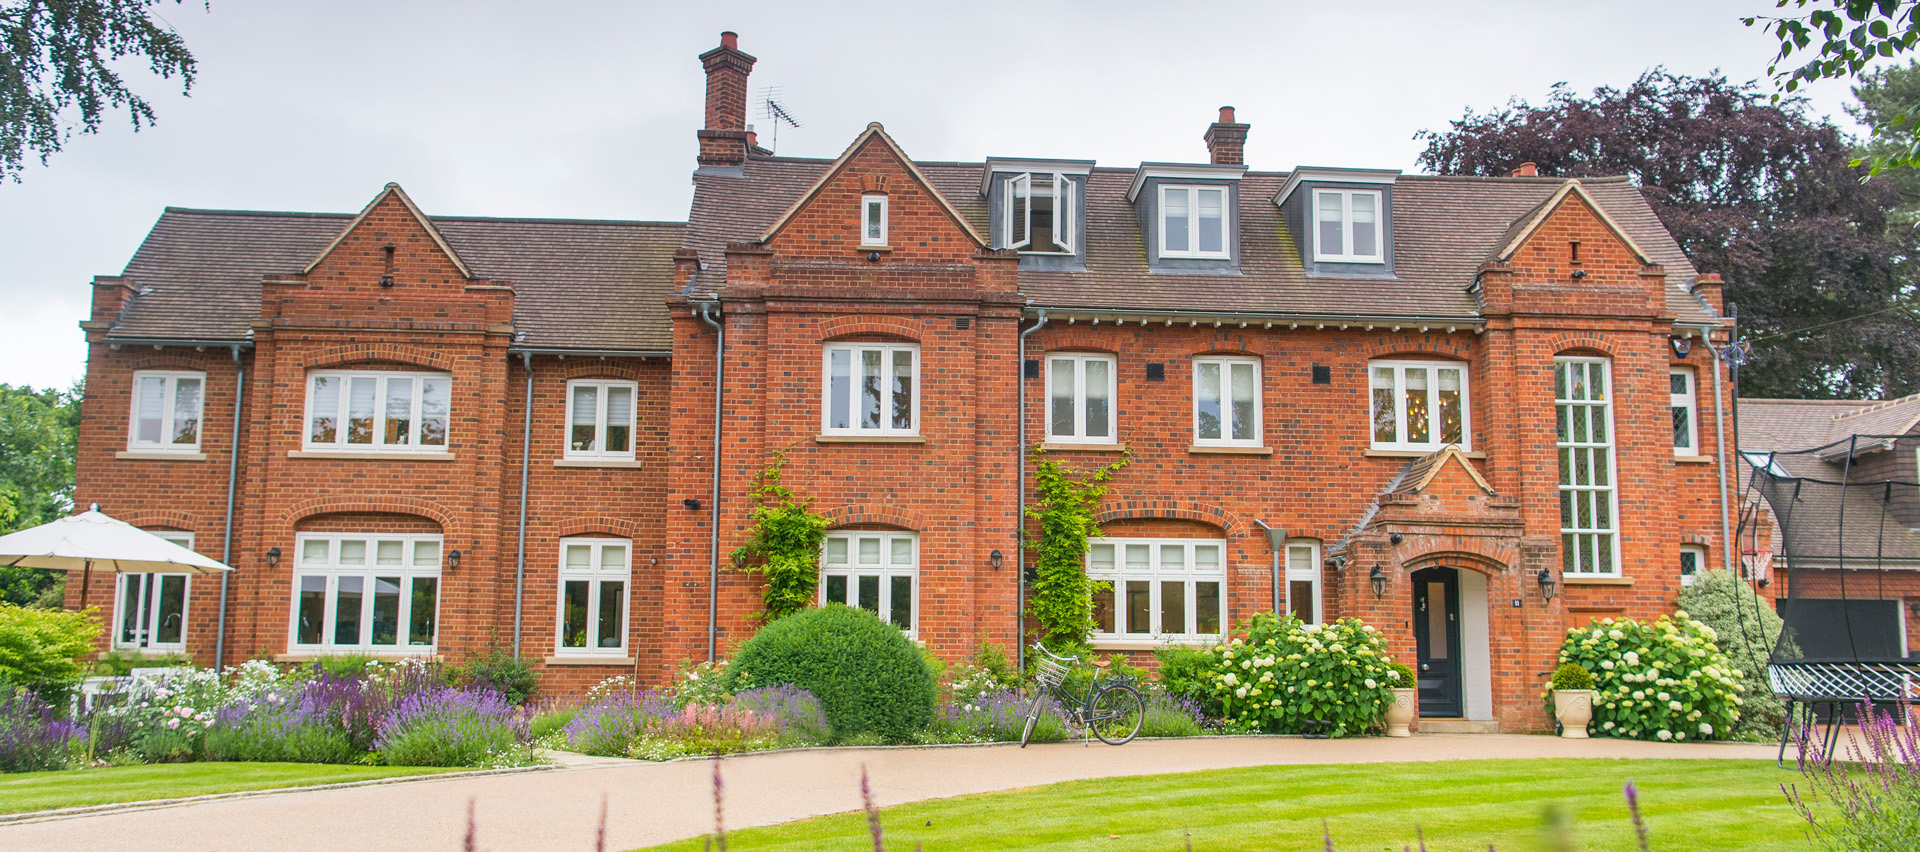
(1379, 579)
(1545, 578)
(995, 559)
(453, 559)
(273, 556)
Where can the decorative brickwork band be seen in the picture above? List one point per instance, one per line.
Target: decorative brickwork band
(392, 505)
(839, 327)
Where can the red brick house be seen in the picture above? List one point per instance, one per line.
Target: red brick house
(439, 435)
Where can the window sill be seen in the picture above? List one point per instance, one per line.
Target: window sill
(612, 463)
(158, 455)
(585, 660)
(310, 656)
(869, 439)
(1693, 459)
(1082, 448)
(145, 653)
(1415, 454)
(1209, 449)
(1148, 644)
(1596, 581)
(354, 456)
(874, 248)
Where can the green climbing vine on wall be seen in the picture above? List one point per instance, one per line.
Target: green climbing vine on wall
(785, 542)
(1061, 602)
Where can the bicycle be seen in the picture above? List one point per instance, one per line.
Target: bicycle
(1111, 710)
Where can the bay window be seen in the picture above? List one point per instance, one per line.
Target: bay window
(378, 411)
(876, 571)
(600, 417)
(870, 389)
(166, 411)
(1080, 399)
(1158, 588)
(1583, 420)
(595, 576)
(1037, 214)
(1194, 221)
(366, 592)
(1418, 405)
(151, 609)
(1685, 405)
(1347, 226)
(1226, 401)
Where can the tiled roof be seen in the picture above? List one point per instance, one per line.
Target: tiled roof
(1788, 430)
(1444, 228)
(1789, 425)
(578, 284)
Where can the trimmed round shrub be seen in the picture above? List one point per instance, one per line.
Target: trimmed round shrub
(869, 677)
(1746, 628)
(1572, 676)
(1401, 675)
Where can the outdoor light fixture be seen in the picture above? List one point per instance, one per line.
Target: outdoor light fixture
(1379, 579)
(1681, 346)
(1545, 578)
(692, 504)
(453, 559)
(1395, 538)
(995, 559)
(273, 556)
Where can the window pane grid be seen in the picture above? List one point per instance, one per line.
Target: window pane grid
(1160, 588)
(1684, 402)
(871, 389)
(378, 411)
(1226, 402)
(595, 576)
(878, 572)
(1347, 225)
(166, 411)
(1583, 419)
(600, 417)
(1418, 405)
(152, 608)
(366, 592)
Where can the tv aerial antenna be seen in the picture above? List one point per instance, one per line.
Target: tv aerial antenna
(772, 109)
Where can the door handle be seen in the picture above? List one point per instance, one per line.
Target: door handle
(1423, 667)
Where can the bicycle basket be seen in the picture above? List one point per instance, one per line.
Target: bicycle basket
(1049, 673)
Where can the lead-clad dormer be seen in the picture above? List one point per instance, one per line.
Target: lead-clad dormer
(1341, 219)
(1189, 216)
(1039, 207)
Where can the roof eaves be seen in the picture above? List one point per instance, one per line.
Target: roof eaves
(1302, 174)
(1178, 171)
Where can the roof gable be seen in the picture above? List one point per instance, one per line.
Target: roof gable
(1524, 228)
(862, 149)
(392, 193)
(1433, 472)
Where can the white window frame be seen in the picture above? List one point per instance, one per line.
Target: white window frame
(1078, 380)
(332, 569)
(596, 575)
(1434, 425)
(1156, 574)
(1346, 227)
(601, 404)
(1689, 400)
(886, 427)
(168, 422)
(1016, 214)
(1579, 544)
(868, 239)
(1699, 554)
(848, 567)
(1193, 221)
(1309, 551)
(1226, 438)
(148, 588)
(381, 378)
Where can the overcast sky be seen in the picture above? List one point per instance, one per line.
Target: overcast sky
(589, 110)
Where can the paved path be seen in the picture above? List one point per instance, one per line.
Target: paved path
(652, 803)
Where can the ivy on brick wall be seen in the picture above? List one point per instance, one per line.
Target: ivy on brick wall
(1061, 602)
(785, 544)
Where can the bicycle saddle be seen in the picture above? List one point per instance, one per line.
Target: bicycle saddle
(1101, 664)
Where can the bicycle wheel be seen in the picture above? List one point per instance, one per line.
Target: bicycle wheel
(1116, 714)
(1033, 716)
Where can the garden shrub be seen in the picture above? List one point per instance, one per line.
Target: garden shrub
(1661, 681)
(1746, 629)
(701, 683)
(551, 722)
(1187, 672)
(988, 672)
(502, 672)
(1061, 602)
(32, 737)
(162, 719)
(43, 649)
(1291, 677)
(1168, 715)
(1572, 676)
(1400, 675)
(995, 716)
(474, 726)
(867, 675)
(651, 725)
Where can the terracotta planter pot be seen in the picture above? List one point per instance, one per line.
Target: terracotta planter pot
(1574, 709)
(1401, 712)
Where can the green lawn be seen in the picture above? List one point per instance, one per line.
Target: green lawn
(36, 791)
(1461, 805)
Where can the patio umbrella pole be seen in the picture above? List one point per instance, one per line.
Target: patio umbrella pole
(86, 579)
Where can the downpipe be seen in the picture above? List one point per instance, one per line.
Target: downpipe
(526, 458)
(1020, 502)
(710, 314)
(226, 539)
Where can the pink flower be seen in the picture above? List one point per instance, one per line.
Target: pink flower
(173, 723)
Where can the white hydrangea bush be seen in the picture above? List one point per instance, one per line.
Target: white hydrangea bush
(1288, 676)
(1665, 680)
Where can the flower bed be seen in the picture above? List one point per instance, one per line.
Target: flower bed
(1661, 681)
(653, 725)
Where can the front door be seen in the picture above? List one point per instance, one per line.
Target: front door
(1436, 635)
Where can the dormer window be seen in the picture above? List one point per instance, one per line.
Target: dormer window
(1038, 214)
(873, 221)
(1347, 225)
(1193, 221)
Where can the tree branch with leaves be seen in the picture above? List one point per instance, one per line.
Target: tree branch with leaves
(1840, 42)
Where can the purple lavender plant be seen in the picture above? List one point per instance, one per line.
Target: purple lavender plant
(31, 737)
(999, 717)
(1873, 785)
(799, 716)
(652, 726)
(452, 727)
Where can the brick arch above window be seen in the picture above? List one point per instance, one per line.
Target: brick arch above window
(893, 516)
(840, 328)
(1418, 347)
(1581, 344)
(590, 369)
(339, 504)
(587, 525)
(163, 519)
(1695, 539)
(1121, 509)
(1226, 351)
(164, 361)
(1480, 556)
(351, 353)
(1071, 343)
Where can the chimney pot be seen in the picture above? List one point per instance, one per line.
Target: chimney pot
(1227, 140)
(1226, 115)
(730, 40)
(1526, 170)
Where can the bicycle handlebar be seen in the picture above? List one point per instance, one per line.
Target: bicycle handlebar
(1043, 649)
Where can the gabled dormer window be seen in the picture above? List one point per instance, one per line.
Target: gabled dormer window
(1347, 225)
(1194, 221)
(1038, 214)
(873, 221)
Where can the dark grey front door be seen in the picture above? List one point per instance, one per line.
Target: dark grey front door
(1436, 635)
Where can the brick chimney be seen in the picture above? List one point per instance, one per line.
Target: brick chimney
(724, 141)
(1526, 170)
(1227, 141)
